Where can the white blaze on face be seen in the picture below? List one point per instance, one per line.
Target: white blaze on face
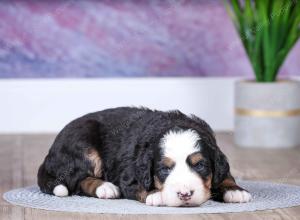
(178, 145)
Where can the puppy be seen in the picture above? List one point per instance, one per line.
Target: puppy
(158, 158)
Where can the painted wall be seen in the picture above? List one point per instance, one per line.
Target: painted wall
(122, 39)
(47, 105)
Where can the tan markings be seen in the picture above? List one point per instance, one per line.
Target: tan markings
(142, 194)
(228, 182)
(195, 158)
(207, 183)
(207, 194)
(158, 185)
(207, 187)
(168, 162)
(93, 156)
(89, 185)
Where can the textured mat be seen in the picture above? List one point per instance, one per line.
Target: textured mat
(265, 196)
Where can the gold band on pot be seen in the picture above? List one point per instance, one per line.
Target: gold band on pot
(267, 113)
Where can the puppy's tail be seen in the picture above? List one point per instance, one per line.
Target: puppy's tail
(49, 184)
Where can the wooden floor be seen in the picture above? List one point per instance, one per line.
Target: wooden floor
(20, 156)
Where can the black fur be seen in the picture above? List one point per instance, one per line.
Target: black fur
(127, 140)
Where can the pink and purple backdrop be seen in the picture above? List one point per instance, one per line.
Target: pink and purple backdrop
(122, 39)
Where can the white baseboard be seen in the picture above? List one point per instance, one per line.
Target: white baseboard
(44, 105)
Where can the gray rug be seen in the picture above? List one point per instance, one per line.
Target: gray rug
(265, 196)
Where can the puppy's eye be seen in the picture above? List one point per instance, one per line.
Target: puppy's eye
(200, 165)
(165, 171)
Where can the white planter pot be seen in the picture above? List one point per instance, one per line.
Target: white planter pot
(267, 115)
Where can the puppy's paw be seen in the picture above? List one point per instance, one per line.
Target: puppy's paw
(155, 199)
(237, 196)
(60, 190)
(108, 191)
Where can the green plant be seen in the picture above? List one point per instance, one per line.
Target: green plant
(268, 29)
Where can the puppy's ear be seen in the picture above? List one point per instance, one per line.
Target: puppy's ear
(144, 166)
(220, 166)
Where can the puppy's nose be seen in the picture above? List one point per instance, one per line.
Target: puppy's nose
(185, 196)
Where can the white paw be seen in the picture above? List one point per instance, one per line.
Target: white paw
(107, 191)
(154, 199)
(60, 190)
(237, 196)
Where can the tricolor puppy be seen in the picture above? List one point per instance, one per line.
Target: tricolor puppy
(159, 158)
